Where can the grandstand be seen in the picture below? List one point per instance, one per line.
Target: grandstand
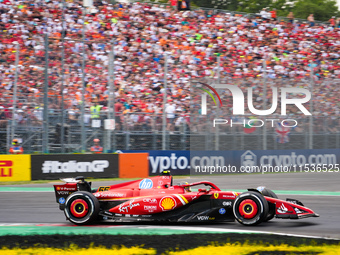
(252, 52)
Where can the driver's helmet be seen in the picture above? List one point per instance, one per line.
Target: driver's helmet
(188, 188)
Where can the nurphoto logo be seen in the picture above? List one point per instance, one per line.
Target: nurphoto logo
(239, 102)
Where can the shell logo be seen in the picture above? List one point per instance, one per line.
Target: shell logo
(167, 203)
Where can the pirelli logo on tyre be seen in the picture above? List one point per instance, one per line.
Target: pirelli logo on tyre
(15, 168)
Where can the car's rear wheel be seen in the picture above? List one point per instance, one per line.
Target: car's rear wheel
(250, 208)
(272, 207)
(81, 208)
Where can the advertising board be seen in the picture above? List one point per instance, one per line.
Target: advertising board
(62, 166)
(15, 168)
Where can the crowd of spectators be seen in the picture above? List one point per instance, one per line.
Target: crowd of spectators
(143, 35)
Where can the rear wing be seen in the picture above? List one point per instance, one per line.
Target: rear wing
(62, 191)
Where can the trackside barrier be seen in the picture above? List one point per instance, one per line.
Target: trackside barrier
(262, 161)
(51, 167)
(15, 168)
(178, 162)
(133, 165)
(189, 162)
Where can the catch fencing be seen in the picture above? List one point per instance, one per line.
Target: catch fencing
(47, 106)
(140, 131)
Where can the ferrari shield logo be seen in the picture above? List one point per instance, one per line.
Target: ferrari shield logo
(216, 195)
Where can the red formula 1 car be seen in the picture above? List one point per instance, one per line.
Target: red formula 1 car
(157, 199)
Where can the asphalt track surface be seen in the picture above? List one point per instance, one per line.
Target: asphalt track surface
(41, 207)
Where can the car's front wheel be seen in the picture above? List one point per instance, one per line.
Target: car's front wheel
(272, 207)
(250, 208)
(81, 208)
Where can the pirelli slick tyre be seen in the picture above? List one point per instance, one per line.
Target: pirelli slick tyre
(272, 207)
(81, 208)
(250, 208)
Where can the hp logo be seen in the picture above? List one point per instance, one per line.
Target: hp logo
(146, 184)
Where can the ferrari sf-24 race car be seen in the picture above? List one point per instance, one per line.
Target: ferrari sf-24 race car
(157, 199)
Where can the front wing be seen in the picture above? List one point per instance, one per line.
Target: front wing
(291, 209)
